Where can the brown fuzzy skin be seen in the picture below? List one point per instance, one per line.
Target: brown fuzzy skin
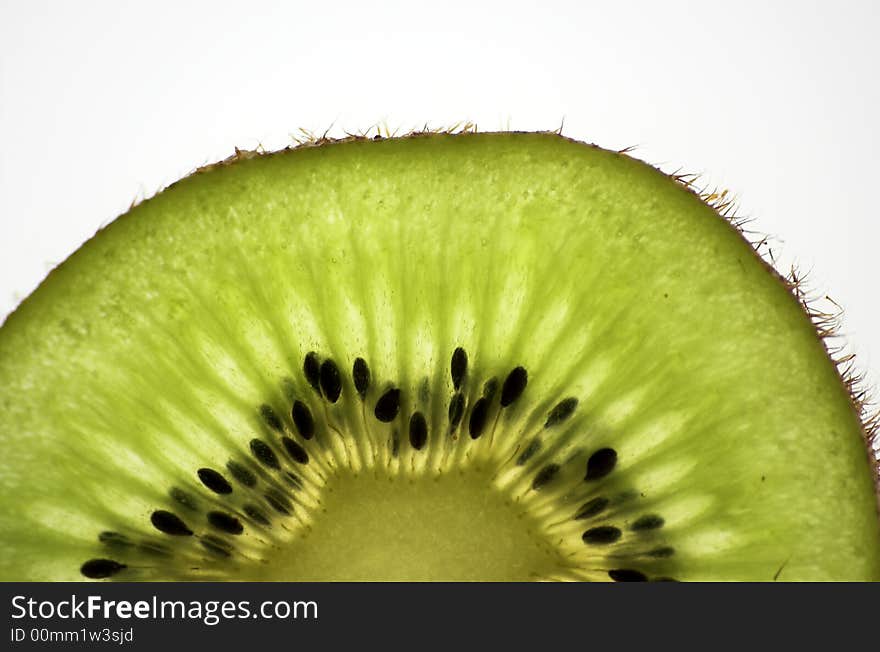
(826, 323)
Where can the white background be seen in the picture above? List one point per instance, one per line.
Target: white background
(105, 102)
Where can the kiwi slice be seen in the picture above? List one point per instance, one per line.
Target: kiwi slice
(445, 356)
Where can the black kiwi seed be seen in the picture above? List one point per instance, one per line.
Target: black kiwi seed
(388, 406)
(627, 575)
(530, 451)
(214, 481)
(648, 522)
(241, 473)
(297, 452)
(601, 535)
(514, 386)
(561, 411)
(225, 522)
(591, 508)
(302, 419)
(545, 476)
(184, 499)
(114, 539)
(490, 387)
(264, 454)
(312, 370)
(418, 431)
(600, 464)
(479, 416)
(98, 569)
(331, 381)
(270, 417)
(458, 367)
(360, 373)
(278, 502)
(456, 410)
(663, 552)
(256, 514)
(216, 545)
(169, 523)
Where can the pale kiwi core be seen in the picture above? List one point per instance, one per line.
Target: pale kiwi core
(449, 528)
(477, 356)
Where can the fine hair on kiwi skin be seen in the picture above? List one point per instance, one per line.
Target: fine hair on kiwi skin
(318, 405)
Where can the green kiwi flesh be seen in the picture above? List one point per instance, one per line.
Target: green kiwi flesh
(471, 357)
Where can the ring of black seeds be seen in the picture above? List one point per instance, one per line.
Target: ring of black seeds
(325, 378)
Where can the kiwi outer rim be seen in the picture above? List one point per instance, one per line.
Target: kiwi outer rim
(827, 325)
